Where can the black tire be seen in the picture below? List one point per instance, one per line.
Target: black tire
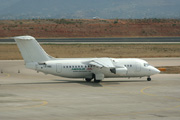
(97, 81)
(88, 80)
(148, 79)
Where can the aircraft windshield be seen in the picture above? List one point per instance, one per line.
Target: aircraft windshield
(146, 64)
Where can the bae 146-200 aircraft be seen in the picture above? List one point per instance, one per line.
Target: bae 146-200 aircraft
(88, 68)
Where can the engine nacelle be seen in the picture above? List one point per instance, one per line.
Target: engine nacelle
(119, 71)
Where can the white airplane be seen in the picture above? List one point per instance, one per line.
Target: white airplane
(89, 68)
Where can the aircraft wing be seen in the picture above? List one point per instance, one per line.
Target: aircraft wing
(102, 62)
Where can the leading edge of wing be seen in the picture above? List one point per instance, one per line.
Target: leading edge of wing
(102, 62)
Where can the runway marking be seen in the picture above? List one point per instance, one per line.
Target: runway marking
(142, 91)
(168, 97)
(43, 103)
(147, 111)
(6, 75)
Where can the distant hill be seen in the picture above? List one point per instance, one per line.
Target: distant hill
(48, 28)
(106, 9)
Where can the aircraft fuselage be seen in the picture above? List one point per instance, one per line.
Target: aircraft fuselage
(80, 68)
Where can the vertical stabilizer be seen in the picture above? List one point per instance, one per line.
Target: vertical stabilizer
(30, 49)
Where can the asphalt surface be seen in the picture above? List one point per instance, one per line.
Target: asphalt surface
(109, 40)
(28, 95)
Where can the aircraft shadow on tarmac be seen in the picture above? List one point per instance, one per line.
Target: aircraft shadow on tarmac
(98, 84)
(92, 84)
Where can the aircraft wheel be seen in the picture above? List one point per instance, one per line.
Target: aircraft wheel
(97, 81)
(149, 79)
(88, 80)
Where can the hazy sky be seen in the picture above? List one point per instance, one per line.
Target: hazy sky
(17, 9)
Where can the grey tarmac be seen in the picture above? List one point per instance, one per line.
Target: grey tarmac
(28, 95)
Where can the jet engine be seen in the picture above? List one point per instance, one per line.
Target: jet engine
(119, 71)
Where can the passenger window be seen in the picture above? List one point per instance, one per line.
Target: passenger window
(81, 66)
(130, 65)
(72, 66)
(75, 66)
(66, 66)
(69, 66)
(78, 66)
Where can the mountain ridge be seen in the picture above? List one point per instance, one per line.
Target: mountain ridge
(106, 9)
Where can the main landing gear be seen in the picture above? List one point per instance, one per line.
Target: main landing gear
(88, 79)
(93, 77)
(95, 81)
(149, 79)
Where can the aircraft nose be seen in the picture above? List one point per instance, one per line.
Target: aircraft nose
(154, 70)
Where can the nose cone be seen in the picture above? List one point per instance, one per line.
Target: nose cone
(154, 70)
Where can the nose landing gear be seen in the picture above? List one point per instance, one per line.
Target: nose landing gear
(149, 79)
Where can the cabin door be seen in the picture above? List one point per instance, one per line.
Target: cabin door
(58, 68)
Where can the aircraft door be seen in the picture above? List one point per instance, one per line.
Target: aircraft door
(58, 68)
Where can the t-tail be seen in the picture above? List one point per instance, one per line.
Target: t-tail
(31, 51)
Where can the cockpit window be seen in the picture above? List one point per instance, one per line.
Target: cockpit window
(146, 64)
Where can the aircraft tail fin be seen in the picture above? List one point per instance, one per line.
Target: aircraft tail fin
(30, 49)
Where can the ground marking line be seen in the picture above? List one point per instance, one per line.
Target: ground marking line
(6, 75)
(168, 97)
(43, 103)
